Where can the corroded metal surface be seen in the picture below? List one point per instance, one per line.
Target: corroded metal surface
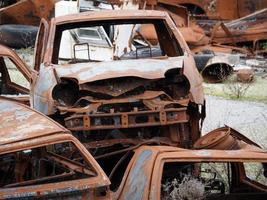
(30, 12)
(148, 180)
(19, 122)
(245, 75)
(93, 71)
(9, 60)
(25, 133)
(251, 28)
(220, 9)
(66, 189)
(129, 93)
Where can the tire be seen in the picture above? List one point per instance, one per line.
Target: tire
(18, 36)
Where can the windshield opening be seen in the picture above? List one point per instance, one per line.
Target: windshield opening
(114, 40)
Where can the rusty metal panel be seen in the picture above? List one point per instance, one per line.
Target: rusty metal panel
(247, 29)
(19, 122)
(220, 9)
(126, 120)
(89, 72)
(30, 12)
(72, 189)
(138, 179)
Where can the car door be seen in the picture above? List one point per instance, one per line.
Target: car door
(15, 76)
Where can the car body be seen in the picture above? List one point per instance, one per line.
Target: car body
(32, 161)
(147, 88)
(39, 159)
(153, 168)
(223, 164)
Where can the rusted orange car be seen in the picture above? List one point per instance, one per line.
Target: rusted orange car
(162, 172)
(224, 164)
(122, 92)
(220, 9)
(41, 159)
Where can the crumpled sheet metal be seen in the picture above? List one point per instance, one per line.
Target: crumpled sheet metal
(94, 71)
(221, 9)
(150, 98)
(27, 12)
(127, 119)
(225, 138)
(194, 35)
(161, 110)
(82, 187)
(88, 72)
(250, 28)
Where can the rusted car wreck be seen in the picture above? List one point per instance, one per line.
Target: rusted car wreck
(40, 158)
(148, 91)
(138, 112)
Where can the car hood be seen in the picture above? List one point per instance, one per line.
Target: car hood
(152, 68)
(19, 122)
(143, 68)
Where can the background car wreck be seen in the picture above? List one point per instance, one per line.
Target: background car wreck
(198, 39)
(19, 29)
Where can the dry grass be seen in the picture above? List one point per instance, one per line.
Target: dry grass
(256, 90)
(189, 189)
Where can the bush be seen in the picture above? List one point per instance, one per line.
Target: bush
(189, 189)
(234, 88)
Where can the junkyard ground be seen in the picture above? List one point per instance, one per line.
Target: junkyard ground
(256, 92)
(247, 114)
(250, 118)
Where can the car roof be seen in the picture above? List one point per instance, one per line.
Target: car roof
(252, 153)
(19, 122)
(110, 15)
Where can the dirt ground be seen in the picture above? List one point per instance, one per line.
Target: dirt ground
(250, 118)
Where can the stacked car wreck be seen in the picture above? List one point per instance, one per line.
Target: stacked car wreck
(137, 112)
(150, 92)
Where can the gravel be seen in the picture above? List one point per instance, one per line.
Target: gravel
(249, 118)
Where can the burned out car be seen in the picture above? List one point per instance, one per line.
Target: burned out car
(230, 167)
(41, 159)
(145, 90)
(163, 172)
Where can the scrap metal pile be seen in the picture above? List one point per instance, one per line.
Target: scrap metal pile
(122, 105)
